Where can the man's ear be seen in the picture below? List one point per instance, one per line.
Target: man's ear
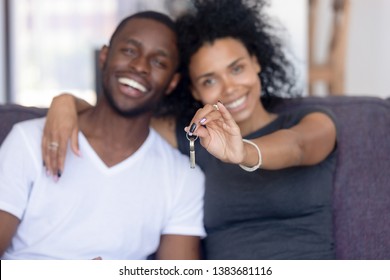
(103, 56)
(173, 83)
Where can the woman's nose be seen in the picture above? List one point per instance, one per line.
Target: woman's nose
(229, 86)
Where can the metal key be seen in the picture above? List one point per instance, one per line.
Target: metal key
(192, 140)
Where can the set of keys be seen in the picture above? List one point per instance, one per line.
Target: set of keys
(192, 140)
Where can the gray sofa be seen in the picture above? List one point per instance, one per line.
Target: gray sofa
(361, 197)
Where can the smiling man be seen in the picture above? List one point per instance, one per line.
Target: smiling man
(107, 204)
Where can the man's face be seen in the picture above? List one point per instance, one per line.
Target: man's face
(139, 66)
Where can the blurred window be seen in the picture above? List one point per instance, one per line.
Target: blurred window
(53, 45)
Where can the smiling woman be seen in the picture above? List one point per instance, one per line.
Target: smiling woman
(222, 66)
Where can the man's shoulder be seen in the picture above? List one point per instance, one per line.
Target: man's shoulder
(31, 125)
(27, 129)
(163, 144)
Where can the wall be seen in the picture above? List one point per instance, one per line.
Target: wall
(296, 25)
(2, 59)
(368, 56)
(368, 45)
(368, 59)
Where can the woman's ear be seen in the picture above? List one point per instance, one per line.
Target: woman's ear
(256, 64)
(173, 83)
(195, 94)
(103, 56)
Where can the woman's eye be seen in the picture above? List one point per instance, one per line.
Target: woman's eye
(208, 82)
(237, 69)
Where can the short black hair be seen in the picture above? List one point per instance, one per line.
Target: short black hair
(243, 20)
(157, 16)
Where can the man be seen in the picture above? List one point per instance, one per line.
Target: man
(130, 194)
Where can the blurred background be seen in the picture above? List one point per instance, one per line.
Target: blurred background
(340, 47)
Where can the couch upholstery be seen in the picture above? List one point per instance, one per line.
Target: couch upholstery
(361, 197)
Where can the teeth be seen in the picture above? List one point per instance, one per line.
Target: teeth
(132, 83)
(236, 103)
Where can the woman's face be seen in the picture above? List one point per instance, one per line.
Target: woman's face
(225, 71)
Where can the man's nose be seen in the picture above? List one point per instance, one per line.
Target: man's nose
(140, 64)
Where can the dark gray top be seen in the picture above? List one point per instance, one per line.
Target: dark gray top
(283, 214)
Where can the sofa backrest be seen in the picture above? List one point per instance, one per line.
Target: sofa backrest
(12, 113)
(362, 180)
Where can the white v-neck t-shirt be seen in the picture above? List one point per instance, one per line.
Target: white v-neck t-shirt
(117, 212)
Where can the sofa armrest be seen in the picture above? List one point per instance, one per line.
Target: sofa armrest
(361, 198)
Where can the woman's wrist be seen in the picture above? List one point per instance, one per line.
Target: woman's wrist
(250, 165)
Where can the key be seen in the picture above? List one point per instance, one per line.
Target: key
(192, 140)
(192, 153)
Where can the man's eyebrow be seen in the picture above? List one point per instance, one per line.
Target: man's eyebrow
(132, 41)
(228, 66)
(159, 51)
(163, 53)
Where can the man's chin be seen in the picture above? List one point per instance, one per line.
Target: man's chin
(132, 112)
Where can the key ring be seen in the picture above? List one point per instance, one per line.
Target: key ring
(192, 149)
(190, 138)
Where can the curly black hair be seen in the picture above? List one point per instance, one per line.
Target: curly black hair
(245, 21)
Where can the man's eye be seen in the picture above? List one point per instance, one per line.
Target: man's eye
(129, 51)
(159, 63)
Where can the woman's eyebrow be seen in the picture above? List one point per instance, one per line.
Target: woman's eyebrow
(209, 74)
(235, 62)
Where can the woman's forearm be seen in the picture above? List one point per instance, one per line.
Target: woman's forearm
(66, 98)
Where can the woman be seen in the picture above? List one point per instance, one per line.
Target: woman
(281, 210)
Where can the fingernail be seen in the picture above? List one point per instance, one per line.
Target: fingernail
(59, 173)
(202, 120)
(48, 174)
(193, 127)
(55, 178)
